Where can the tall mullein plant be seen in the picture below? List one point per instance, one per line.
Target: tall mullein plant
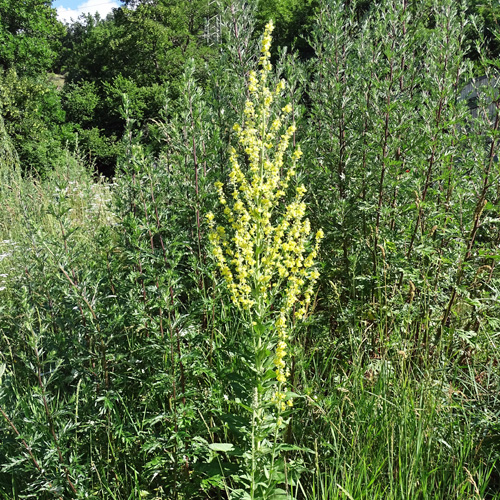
(265, 254)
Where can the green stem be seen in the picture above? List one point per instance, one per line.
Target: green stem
(254, 444)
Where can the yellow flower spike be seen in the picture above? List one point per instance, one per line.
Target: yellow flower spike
(264, 255)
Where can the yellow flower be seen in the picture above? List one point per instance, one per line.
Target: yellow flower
(264, 253)
(297, 153)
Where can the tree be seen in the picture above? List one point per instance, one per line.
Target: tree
(34, 120)
(139, 51)
(148, 44)
(293, 19)
(29, 35)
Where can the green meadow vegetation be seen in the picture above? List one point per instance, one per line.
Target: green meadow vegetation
(286, 284)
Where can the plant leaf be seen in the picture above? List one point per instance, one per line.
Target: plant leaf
(221, 446)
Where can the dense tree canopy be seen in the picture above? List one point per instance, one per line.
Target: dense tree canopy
(149, 43)
(29, 35)
(294, 20)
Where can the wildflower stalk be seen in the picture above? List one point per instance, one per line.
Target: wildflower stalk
(265, 256)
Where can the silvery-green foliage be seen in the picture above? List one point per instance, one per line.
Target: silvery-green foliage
(402, 168)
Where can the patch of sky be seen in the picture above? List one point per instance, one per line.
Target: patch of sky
(71, 10)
